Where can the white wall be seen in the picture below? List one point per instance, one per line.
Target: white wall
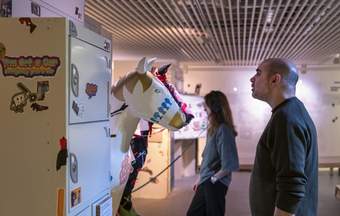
(186, 165)
(251, 115)
(315, 91)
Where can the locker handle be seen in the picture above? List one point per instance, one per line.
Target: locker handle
(74, 168)
(74, 80)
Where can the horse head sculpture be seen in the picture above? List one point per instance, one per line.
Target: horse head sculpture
(138, 95)
(141, 95)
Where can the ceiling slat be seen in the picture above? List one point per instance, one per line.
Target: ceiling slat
(262, 32)
(270, 45)
(332, 31)
(132, 24)
(334, 47)
(283, 32)
(224, 50)
(255, 42)
(244, 33)
(250, 37)
(199, 20)
(116, 20)
(317, 30)
(192, 35)
(210, 37)
(224, 32)
(239, 56)
(269, 32)
(231, 21)
(187, 45)
(292, 40)
(161, 27)
(288, 32)
(221, 55)
(200, 32)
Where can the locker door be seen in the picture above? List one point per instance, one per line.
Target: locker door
(89, 83)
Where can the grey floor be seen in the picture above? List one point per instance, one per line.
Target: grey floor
(179, 199)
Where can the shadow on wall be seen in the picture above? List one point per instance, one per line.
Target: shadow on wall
(186, 165)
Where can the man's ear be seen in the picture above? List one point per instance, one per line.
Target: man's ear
(276, 79)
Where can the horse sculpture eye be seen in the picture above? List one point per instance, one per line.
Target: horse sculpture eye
(157, 91)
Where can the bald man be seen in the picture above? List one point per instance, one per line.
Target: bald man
(284, 179)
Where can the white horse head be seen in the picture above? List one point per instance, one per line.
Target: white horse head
(147, 98)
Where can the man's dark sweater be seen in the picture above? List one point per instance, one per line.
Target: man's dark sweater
(285, 173)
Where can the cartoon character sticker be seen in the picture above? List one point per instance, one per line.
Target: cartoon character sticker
(18, 102)
(37, 107)
(91, 89)
(42, 88)
(20, 99)
(75, 107)
(28, 22)
(78, 109)
(75, 197)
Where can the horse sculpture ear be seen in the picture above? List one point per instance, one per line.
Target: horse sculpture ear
(149, 64)
(144, 65)
(163, 69)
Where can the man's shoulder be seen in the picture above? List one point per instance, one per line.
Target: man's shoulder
(286, 118)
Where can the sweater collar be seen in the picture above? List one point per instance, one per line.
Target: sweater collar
(283, 103)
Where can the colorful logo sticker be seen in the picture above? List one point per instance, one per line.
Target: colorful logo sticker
(28, 22)
(30, 66)
(91, 89)
(75, 197)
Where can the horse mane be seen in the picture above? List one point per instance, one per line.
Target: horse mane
(130, 81)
